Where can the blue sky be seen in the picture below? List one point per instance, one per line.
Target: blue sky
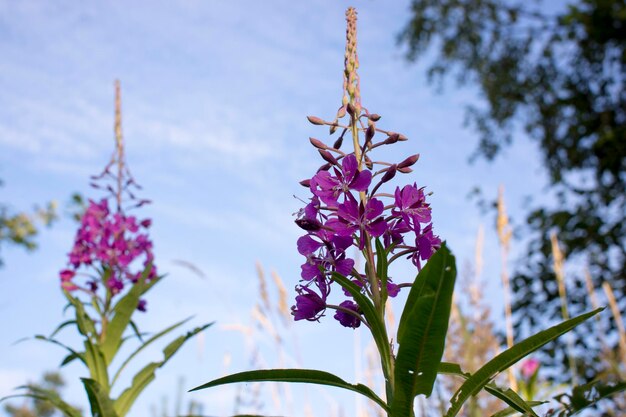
(215, 96)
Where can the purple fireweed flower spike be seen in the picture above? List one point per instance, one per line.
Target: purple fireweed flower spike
(346, 208)
(114, 245)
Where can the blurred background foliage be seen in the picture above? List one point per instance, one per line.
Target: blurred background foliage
(553, 73)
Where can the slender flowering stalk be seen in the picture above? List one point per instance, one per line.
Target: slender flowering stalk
(349, 207)
(111, 249)
(110, 269)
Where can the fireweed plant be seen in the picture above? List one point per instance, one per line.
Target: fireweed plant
(110, 269)
(350, 206)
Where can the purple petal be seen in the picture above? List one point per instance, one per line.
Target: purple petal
(374, 208)
(361, 181)
(378, 227)
(344, 266)
(307, 245)
(350, 167)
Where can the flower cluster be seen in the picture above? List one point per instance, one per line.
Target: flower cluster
(114, 245)
(341, 214)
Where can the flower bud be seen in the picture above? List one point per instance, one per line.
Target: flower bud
(409, 161)
(405, 170)
(328, 157)
(305, 183)
(392, 138)
(333, 127)
(324, 167)
(316, 120)
(391, 172)
(338, 143)
(350, 109)
(374, 117)
(368, 162)
(318, 143)
(402, 138)
(369, 133)
(341, 112)
(308, 225)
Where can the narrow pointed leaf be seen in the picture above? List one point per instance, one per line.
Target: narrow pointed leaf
(509, 411)
(73, 353)
(49, 396)
(61, 327)
(85, 325)
(382, 268)
(588, 395)
(369, 312)
(424, 335)
(146, 344)
(307, 376)
(96, 363)
(509, 396)
(101, 404)
(123, 311)
(509, 357)
(147, 374)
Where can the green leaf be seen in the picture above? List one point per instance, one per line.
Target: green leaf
(588, 395)
(49, 396)
(145, 345)
(101, 404)
(307, 376)
(425, 328)
(85, 325)
(369, 312)
(509, 411)
(95, 361)
(382, 268)
(73, 353)
(509, 357)
(60, 327)
(509, 396)
(147, 374)
(123, 311)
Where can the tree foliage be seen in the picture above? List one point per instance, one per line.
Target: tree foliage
(20, 228)
(557, 71)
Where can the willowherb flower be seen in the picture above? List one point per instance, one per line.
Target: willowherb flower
(529, 367)
(348, 208)
(111, 248)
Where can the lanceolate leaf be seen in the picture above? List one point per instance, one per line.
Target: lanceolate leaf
(424, 331)
(509, 357)
(73, 354)
(590, 394)
(50, 396)
(147, 373)
(509, 396)
(96, 364)
(369, 311)
(85, 325)
(307, 376)
(509, 411)
(101, 404)
(123, 310)
(381, 268)
(146, 344)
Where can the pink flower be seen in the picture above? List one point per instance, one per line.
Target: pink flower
(529, 367)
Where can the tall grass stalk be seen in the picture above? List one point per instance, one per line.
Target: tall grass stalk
(559, 271)
(504, 236)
